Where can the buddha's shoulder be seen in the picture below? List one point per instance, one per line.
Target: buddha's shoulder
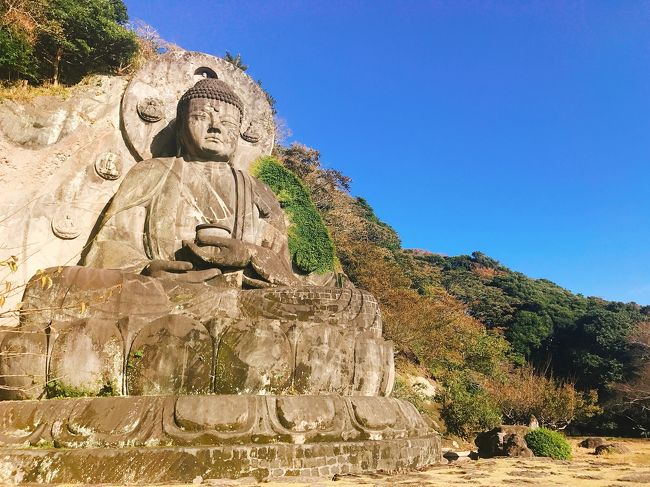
(143, 181)
(152, 167)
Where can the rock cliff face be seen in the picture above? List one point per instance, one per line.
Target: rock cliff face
(61, 160)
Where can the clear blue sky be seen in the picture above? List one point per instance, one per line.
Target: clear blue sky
(520, 129)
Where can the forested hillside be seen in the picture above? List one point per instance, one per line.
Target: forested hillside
(505, 346)
(61, 41)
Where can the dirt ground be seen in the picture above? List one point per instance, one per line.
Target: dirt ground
(586, 469)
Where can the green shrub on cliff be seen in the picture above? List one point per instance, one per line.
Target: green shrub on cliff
(310, 243)
(548, 443)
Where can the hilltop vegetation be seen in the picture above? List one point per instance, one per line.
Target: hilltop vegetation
(503, 345)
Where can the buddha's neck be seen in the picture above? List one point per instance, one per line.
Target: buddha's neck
(199, 160)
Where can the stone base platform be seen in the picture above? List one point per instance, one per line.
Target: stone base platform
(184, 464)
(148, 439)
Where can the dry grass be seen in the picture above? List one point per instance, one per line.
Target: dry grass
(16, 92)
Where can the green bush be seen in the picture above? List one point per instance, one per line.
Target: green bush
(310, 243)
(548, 443)
(467, 408)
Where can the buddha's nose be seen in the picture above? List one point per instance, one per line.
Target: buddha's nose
(214, 122)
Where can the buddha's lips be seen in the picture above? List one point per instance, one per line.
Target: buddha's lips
(213, 139)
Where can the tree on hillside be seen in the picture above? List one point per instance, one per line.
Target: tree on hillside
(632, 398)
(85, 36)
(235, 61)
(21, 22)
(63, 40)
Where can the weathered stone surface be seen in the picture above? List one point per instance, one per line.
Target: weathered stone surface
(87, 358)
(207, 420)
(235, 413)
(190, 351)
(172, 355)
(324, 360)
(504, 440)
(23, 363)
(184, 464)
(253, 360)
(149, 105)
(49, 188)
(514, 445)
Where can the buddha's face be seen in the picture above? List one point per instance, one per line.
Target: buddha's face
(210, 130)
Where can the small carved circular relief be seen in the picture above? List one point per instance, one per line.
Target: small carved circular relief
(251, 135)
(64, 227)
(108, 166)
(151, 109)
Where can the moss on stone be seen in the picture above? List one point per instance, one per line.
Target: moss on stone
(57, 389)
(310, 244)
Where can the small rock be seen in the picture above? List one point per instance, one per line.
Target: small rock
(640, 478)
(505, 440)
(514, 445)
(454, 456)
(592, 442)
(197, 480)
(609, 448)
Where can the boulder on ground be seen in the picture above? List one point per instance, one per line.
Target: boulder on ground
(515, 445)
(592, 442)
(504, 441)
(609, 448)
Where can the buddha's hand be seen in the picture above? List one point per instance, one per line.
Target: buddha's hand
(178, 270)
(220, 251)
(272, 268)
(162, 268)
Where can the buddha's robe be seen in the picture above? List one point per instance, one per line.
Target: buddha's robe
(157, 207)
(161, 201)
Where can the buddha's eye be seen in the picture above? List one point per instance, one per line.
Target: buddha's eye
(229, 122)
(200, 116)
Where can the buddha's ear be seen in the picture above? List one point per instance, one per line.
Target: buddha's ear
(179, 137)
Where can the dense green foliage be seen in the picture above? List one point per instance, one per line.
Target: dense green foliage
(310, 244)
(468, 408)
(63, 40)
(548, 443)
(16, 55)
(540, 318)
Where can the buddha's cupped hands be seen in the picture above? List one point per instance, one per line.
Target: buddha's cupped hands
(220, 251)
(228, 252)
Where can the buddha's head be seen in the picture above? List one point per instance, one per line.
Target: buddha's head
(208, 121)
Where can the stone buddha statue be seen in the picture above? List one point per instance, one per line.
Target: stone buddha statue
(195, 217)
(187, 287)
(227, 361)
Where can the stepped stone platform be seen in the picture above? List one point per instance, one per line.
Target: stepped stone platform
(177, 438)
